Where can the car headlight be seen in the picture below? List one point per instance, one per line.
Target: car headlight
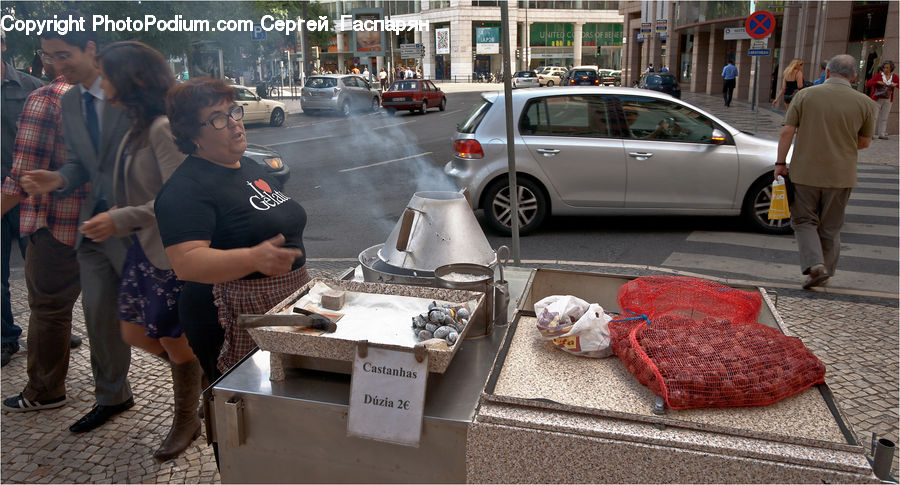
(274, 162)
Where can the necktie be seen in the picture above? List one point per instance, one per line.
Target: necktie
(93, 125)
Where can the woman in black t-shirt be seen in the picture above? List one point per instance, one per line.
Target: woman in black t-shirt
(225, 222)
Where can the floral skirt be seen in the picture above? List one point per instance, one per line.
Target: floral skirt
(148, 296)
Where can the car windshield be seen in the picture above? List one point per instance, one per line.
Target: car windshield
(405, 86)
(474, 118)
(657, 80)
(321, 82)
(584, 73)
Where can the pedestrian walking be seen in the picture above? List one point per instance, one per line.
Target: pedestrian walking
(382, 78)
(881, 89)
(93, 129)
(136, 78)
(729, 74)
(791, 82)
(649, 68)
(15, 88)
(831, 124)
(51, 268)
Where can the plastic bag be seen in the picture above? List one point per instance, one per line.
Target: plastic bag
(589, 336)
(556, 314)
(778, 205)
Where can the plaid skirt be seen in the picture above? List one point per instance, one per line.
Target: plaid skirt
(255, 296)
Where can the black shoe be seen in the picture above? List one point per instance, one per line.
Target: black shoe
(99, 415)
(74, 341)
(7, 351)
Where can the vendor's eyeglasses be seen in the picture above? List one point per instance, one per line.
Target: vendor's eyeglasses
(49, 59)
(220, 120)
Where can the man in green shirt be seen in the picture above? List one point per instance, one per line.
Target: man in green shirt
(832, 122)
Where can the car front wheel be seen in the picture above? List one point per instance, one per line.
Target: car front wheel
(277, 118)
(756, 208)
(498, 206)
(443, 106)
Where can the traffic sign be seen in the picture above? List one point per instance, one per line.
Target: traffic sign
(735, 33)
(759, 52)
(759, 43)
(258, 33)
(760, 24)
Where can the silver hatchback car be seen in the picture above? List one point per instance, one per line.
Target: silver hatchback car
(344, 93)
(611, 151)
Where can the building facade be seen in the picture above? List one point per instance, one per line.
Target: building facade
(699, 38)
(463, 40)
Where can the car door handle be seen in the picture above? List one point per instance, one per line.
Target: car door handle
(640, 155)
(548, 152)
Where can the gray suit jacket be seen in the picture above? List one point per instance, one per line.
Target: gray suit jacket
(137, 182)
(84, 164)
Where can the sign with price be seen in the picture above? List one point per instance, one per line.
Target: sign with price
(387, 396)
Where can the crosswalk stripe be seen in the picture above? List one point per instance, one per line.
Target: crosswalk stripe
(878, 185)
(867, 196)
(790, 244)
(869, 229)
(880, 176)
(782, 272)
(872, 211)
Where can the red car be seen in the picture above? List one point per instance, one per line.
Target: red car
(414, 95)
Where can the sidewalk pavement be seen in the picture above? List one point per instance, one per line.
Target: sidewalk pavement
(856, 337)
(765, 122)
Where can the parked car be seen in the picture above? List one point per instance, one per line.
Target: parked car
(663, 82)
(582, 76)
(611, 151)
(610, 77)
(344, 93)
(270, 160)
(525, 79)
(414, 95)
(551, 75)
(258, 110)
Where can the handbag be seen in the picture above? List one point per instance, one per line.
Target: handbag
(778, 205)
(881, 92)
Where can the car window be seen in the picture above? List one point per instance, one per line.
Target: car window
(404, 86)
(321, 82)
(584, 73)
(243, 95)
(474, 117)
(651, 118)
(352, 82)
(577, 115)
(432, 86)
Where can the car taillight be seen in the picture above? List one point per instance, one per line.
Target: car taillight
(596, 82)
(572, 82)
(468, 149)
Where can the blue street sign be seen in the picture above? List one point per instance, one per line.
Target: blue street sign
(759, 52)
(258, 33)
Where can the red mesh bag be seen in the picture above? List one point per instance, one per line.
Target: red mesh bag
(688, 297)
(713, 362)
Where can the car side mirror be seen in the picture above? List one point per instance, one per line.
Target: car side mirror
(718, 137)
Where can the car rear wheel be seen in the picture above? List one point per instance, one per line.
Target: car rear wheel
(277, 118)
(443, 106)
(375, 104)
(549, 84)
(345, 109)
(756, 208)
(424, 108)
(498, 206)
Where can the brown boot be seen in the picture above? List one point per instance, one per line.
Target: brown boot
(185, 424)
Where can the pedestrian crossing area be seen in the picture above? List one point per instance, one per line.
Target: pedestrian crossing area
(870, 245)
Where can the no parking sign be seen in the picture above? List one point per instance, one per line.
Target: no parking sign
(760, 24)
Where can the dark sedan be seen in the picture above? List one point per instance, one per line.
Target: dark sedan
(662, 82)
(582, 77)
(270, 160)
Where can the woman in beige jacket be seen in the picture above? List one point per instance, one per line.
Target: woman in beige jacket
(136, 77)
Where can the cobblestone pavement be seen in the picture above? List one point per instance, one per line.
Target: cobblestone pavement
(857, 337)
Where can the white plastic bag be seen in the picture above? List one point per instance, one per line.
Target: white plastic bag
(589, 337)
(556, 314)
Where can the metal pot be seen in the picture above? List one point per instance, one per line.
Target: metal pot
(437, 228)
(473, 277)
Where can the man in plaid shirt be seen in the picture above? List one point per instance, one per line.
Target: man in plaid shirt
(51, 269)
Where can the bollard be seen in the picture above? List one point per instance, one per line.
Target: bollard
(882, 457)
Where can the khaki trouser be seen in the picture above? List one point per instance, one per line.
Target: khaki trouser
(817, 215)
(52, 278)
(884, 110)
